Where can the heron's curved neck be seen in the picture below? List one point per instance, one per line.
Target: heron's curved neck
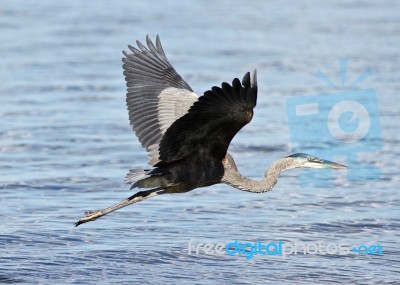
(234, 178)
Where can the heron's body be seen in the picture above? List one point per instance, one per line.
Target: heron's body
(187, 137)
(181, 176)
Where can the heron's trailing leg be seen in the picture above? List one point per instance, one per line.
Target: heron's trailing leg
(139, 196)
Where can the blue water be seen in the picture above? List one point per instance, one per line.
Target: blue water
(66, 143)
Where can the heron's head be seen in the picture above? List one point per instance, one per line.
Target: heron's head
(309, 161)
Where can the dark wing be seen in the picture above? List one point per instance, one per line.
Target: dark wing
(212, 122)
(156, 94)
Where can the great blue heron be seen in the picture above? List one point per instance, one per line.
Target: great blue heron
(186, 136)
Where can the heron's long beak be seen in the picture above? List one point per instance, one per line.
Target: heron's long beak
(322, 163)
(331, 164)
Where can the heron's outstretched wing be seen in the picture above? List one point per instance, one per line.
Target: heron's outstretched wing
(212, 122)
(156, 94)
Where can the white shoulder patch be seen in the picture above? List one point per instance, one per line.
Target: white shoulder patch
(173, 103)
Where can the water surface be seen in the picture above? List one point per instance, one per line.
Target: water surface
(66, 143)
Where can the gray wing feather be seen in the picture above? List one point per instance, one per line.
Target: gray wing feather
(156, 94)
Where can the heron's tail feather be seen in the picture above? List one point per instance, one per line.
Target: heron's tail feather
(135, 175)
(145, 178)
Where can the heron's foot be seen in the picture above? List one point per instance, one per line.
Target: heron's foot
(89, 213)
(89, 216)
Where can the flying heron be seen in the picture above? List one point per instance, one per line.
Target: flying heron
(187, 136)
